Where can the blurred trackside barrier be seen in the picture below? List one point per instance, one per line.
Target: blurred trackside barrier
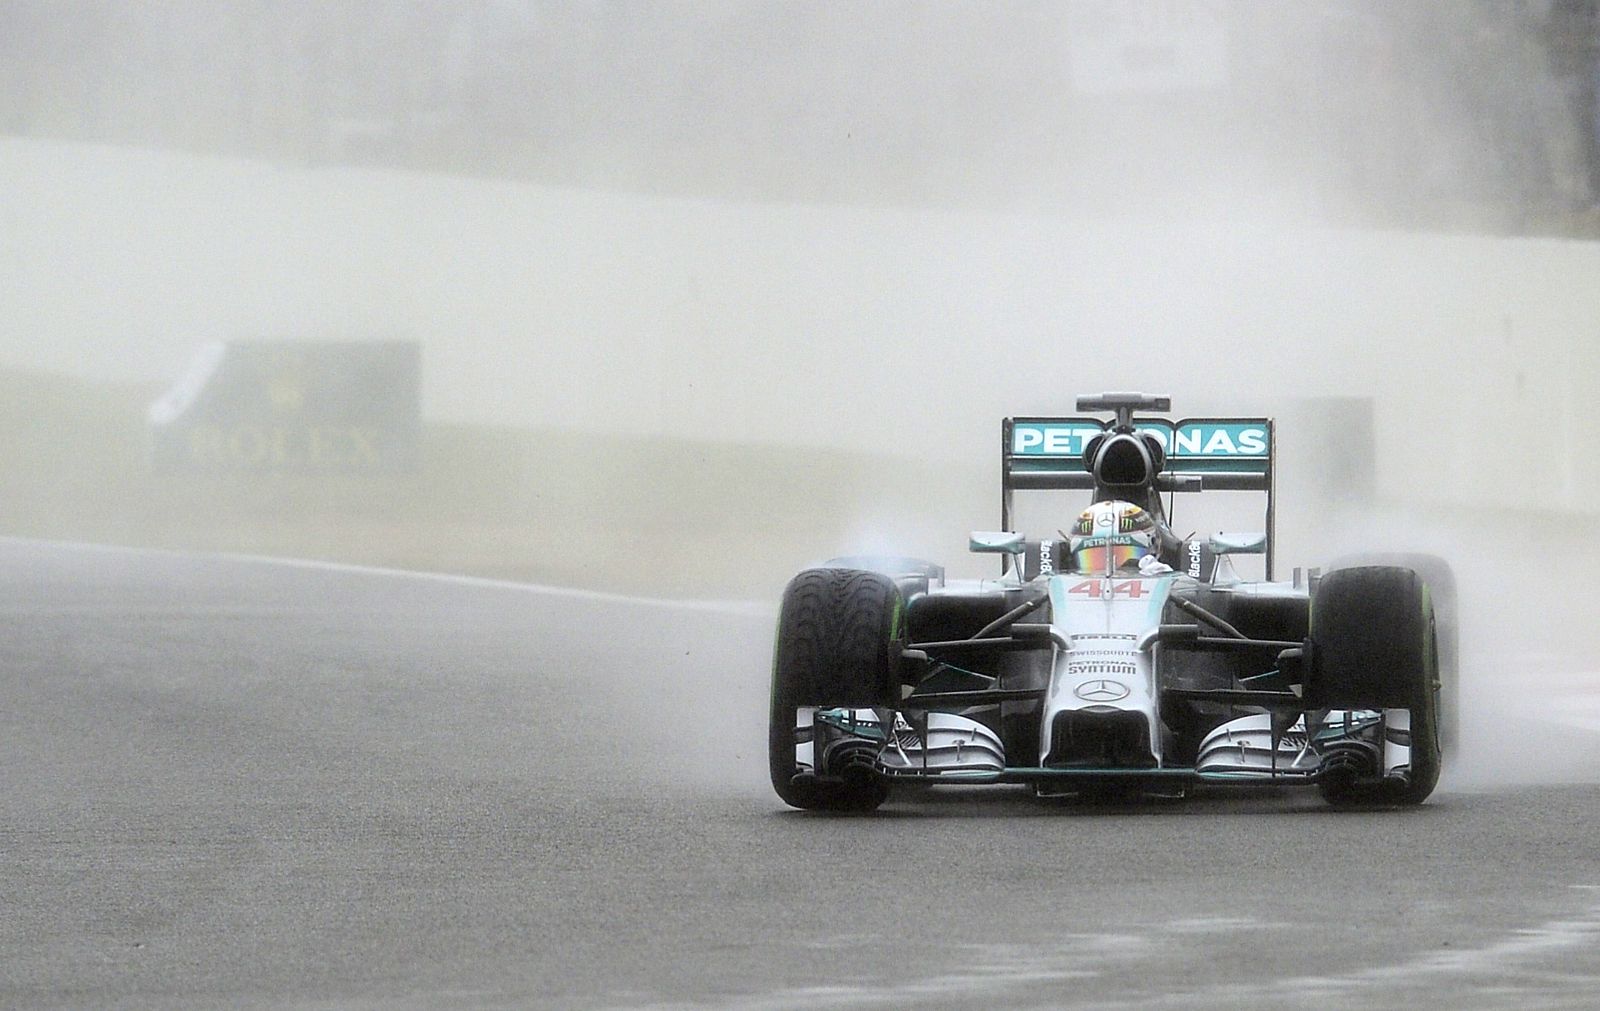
(640, 515)
(685, 318)
(653, 516)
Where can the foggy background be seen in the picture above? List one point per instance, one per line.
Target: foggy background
(670, 300)
(724, 287)
(705, 292)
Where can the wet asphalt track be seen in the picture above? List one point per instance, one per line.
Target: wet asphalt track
(234, 783)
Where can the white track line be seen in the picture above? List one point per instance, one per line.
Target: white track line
(751, 607)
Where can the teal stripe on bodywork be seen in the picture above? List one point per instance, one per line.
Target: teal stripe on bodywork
(1058, 594)
(1158, 599)
(835, 718)
(1158, 593)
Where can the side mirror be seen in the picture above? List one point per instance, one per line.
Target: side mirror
(994, 542)
(1238, 544)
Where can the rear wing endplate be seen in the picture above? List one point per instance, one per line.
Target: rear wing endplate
(1203, 454)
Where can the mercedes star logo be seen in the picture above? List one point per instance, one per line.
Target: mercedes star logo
(1101, 691)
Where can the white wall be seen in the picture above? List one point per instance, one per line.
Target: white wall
(909, 330)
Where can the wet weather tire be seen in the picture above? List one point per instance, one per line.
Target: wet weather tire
(1441, 580)
(840, 633)
(1375, 646)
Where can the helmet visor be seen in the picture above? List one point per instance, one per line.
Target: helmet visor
(1108, 557)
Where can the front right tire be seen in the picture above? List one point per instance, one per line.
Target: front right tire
(840, 635)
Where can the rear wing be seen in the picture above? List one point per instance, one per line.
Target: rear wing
(1203, 454)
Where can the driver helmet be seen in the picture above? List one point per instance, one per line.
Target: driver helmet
(1111, 537)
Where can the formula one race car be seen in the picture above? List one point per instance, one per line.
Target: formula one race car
(1115, 658)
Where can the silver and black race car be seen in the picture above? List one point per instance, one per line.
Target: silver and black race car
(1114, 658)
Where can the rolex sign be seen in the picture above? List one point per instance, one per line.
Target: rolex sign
(327, 406)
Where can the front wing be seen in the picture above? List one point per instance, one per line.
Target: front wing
(947, 748)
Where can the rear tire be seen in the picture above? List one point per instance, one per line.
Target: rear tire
(1375, 646)
(840, 634)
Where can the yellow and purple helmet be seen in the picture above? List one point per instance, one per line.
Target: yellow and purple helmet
(1111, 537)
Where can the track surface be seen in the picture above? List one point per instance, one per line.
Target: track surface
(236, 783)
